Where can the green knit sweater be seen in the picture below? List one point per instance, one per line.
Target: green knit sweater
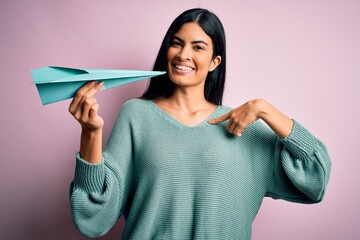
(172, 181)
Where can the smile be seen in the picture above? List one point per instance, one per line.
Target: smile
(183, 68)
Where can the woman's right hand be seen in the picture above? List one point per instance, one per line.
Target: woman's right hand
(84, 107)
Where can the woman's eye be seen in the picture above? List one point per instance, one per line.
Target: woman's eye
(175, 43)
(199, 48)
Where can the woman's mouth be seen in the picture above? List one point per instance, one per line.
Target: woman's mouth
(182, 68)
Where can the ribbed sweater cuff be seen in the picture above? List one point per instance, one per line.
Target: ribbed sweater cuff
(301, 143)
(89, 177)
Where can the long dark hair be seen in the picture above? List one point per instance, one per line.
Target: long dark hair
(162, 86)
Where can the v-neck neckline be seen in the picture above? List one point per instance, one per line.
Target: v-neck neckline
(178, 123)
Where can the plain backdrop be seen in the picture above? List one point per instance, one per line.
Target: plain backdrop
(302, 56)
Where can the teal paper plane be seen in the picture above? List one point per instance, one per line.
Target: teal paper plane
(59, 83)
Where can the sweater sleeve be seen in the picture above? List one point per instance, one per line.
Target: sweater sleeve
(99, 192)
(301, 168)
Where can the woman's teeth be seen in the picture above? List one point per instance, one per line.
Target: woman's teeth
(183, 68)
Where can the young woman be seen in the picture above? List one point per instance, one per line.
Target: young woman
(178, 164)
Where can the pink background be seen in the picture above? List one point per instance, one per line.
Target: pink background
(302, 56)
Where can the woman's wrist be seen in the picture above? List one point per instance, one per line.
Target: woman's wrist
(261, 107)
(91, 145)
(277, 121)
(91, 134)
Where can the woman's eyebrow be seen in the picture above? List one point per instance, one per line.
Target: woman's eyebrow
(199, 41)
(193, 42)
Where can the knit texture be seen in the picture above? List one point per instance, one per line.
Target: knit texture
(172, 181)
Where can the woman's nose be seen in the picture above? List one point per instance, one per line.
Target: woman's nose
(184, 54)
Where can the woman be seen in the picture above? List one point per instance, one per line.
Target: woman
(175, 165)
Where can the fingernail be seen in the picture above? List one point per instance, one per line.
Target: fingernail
(92, 82)
(101, 83)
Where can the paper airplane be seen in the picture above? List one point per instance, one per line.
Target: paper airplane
(59, 83)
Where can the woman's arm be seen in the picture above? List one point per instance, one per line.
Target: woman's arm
(84, 108)
(300, 162)
(103, 178)
(277, 121)
(239, 118)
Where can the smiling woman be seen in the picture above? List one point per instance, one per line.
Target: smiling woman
(190, 56)
(175, 166)
(208, 26)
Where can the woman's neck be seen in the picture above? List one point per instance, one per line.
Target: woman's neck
(187, 107)
(189, 100)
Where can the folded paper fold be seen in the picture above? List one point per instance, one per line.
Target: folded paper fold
(59, 83)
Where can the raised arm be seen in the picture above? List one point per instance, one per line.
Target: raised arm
(103, 178)
(84, 108)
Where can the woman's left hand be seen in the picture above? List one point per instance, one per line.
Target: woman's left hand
(240, 117)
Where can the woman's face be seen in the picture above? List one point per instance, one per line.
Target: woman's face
(190, 56)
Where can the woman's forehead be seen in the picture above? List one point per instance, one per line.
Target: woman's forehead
(192, 32)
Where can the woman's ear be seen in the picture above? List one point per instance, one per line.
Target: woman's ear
(214, 63)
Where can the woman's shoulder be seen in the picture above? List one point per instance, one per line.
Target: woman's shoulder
(225, 108)
(132, 108)
(136, 103)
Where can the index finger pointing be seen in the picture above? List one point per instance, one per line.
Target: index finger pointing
(220, 119)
